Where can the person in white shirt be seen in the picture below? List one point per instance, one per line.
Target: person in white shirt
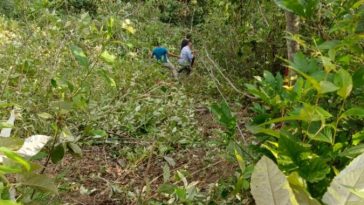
(186, 58)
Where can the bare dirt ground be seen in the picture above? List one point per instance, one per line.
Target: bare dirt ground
(99, 179)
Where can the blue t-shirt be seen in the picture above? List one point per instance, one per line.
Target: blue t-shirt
(161, 54)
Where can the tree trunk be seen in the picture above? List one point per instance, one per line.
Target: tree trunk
(292, 27)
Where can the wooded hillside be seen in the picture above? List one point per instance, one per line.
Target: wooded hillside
(101, 104)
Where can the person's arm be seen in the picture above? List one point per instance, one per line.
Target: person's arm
(190, 56)
(173, 55)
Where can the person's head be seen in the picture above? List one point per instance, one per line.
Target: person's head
(189, 44)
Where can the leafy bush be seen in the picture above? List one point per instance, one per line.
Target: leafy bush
(183, 13)
(76, 6)
(311, 124)
(6, 7)
(244, 42)
(15, 153)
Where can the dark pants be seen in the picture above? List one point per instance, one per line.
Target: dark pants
(187, 68)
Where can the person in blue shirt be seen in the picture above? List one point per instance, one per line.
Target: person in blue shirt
(161, 55)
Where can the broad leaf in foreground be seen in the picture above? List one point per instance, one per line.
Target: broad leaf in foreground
(269, 186)
(32, 145)
(352, 176)
(304, 8)
(353, 112)
(40, 182)
(346, 82)
(15, 157)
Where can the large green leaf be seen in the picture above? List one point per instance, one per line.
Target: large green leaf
(328, 64)
(354, 112)
(358, 137)
(300, 7)
(13, 143)
(313, 113)
(15, 157)
(257, 93)
(352, 176)
(289, 150)
(327, 87)
(269, 186)
(314, 82)
(41, 182)
(313, 168)
(107, 78)
(57, 153)
(225, 117)
(304, 64)
(322, 135)
(66, 135)
(259, 129)
(328, 44)
(299, 188)
(240, 160)
(269, 77)
(353, 151)
(75, 149)
(272, 147)
(107, 57)
(10, 169)
(307, 113)
(295, 156)
(4, 124)
(300, 62)
(80, 56)
(346, 83)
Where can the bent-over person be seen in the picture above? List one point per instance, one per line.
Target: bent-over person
(161, 54)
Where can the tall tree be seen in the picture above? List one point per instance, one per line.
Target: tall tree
(292, 27)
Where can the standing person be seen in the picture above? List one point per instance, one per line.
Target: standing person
(185, 42)
(186, 58)
(161, 54)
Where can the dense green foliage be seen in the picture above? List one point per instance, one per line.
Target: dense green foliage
(79, 73)
(312, 125)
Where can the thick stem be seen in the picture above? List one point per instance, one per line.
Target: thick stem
(292, 27)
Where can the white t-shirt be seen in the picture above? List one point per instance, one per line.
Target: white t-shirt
(186, 56)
